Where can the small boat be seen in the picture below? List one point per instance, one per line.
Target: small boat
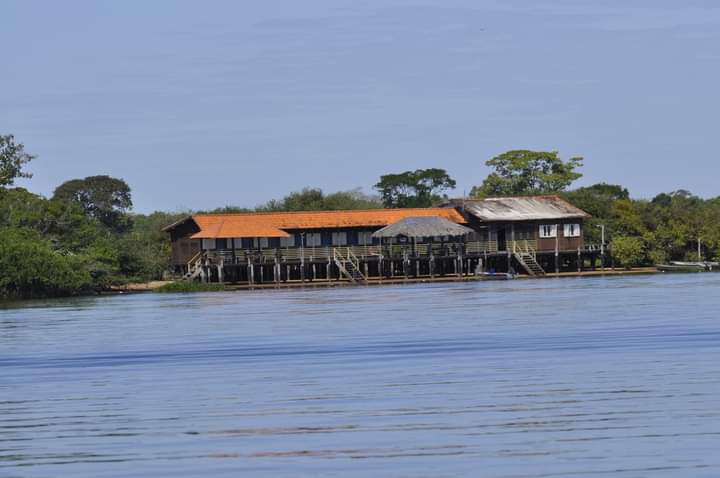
(678, 266)
(495, 275)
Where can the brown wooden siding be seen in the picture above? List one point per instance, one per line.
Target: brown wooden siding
(563, 243)
(183, 250)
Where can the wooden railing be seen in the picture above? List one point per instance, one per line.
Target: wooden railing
(524, 245)
(297, 254)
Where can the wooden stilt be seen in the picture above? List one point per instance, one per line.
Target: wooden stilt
(557, 262)
(579, 261)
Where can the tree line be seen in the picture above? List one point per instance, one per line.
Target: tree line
(86, 237)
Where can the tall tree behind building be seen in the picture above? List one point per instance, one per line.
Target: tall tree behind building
(524, 172)
(104, 198)
(419, 188)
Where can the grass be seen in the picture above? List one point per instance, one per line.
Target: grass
(191, 287)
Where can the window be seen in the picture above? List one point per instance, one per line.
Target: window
(572, 230)
(287, 241)
(262, 242)
(208, 244)
(365, 238)
(221, 244)
(548, 231)
(523, 233)
(313, 239)
(339, 238)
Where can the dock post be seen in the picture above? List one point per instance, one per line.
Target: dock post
(251, 276)
(579, 260)
(431, 265)
(557, 262)
(221, 277)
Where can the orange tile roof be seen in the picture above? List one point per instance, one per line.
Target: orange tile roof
(274, 224)
(220, 226)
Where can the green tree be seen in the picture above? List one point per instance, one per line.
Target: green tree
(64, 224)
(314, 199)
(12, 160)
(598, 199)
(31, 267)
(419, 188)
(629, 251)
(104, 198)
(524, 172)
(144, 253)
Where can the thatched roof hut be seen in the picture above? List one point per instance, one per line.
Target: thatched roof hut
(429, 226)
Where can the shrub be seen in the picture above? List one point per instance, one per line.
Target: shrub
(629, 251)
(30, 267)
(191, 287)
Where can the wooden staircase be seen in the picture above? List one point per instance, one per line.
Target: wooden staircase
(194, 267)
(528, 260)
(349, 266)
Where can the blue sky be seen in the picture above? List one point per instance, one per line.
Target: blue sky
(203, 104)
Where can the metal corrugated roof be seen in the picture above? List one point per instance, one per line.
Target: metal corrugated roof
(521, 208)
(423, 227)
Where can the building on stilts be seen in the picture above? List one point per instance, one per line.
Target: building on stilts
(532, 235)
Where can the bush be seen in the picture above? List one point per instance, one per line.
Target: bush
(30, 267)
(191, 287)
(628, 251)
(658, 256)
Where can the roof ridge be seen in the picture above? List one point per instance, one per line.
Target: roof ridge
(507, 197)
(270, 213)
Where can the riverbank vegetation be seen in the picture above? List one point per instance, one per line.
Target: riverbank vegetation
(85, 238)
(175, 287)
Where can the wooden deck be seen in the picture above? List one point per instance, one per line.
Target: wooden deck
(436, 280)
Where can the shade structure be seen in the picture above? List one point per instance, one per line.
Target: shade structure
(430, 226)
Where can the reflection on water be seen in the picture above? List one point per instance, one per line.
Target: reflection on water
(570, 377)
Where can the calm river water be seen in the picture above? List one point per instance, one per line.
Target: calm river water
(558, 377)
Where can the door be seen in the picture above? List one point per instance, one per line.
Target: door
(501, 239)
